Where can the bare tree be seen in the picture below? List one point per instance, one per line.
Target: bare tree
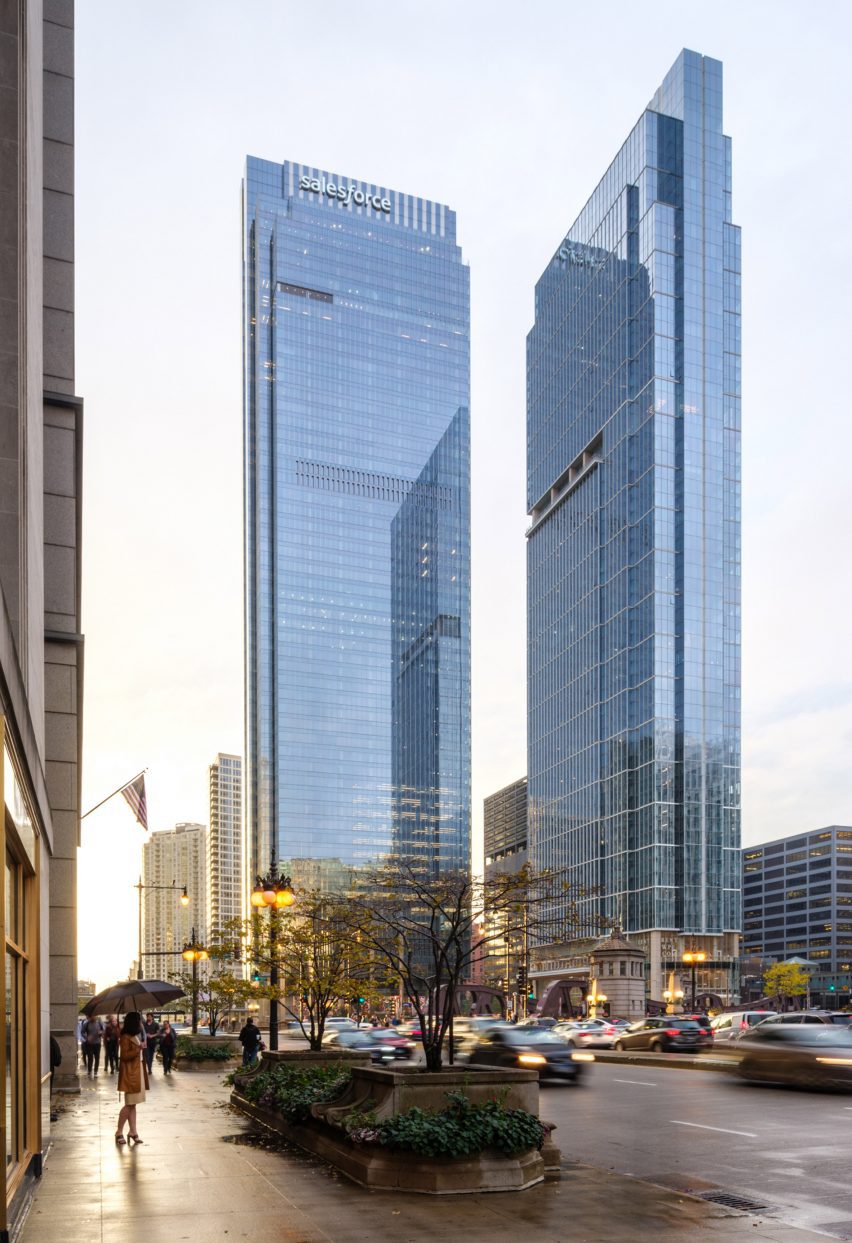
(429, 928)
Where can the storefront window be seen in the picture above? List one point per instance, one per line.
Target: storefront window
(15, 975)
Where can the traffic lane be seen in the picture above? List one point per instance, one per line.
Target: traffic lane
(786, 1148)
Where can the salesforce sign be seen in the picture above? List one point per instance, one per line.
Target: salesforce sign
(345, 194)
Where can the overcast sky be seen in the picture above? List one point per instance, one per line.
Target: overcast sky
(510, 114)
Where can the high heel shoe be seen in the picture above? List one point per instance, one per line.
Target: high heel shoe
(119, 1139)
(136, 1139)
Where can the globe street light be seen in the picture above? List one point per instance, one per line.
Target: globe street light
(273, 892)
(195, 953)
(692, 958)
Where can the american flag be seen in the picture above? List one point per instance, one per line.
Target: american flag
(134, 792)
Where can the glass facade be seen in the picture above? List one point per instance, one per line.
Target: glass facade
(633, 392)
(357, 523)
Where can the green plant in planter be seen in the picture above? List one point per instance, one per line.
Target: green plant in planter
(461, 1130)
(291, 1090)
(190, 1051)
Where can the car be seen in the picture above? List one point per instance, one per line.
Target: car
(807, 1055)
(588, 1034)
(820, 1017)
(668, 1033)
(732, 1025)
(340, 1024)
(392, 1038)
(527, 1048)
(535, 1021)
(380, 1053)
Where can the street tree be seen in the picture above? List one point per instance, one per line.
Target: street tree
(321, 964)
(786, 980)
(429, 927)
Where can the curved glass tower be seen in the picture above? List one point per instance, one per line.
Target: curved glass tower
(634, 546)
(357, 524)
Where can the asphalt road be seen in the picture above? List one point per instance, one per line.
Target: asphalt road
(787, 1149)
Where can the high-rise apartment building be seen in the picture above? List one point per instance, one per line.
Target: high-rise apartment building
(797, 903)
(633, 389)
(41, 646)
(357, 525)
(225, 841)
(172, 859)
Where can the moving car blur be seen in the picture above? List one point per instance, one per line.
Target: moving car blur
(732, 1025)
(802, 1054)
(665, 1034)
(529, 1048)
(587, 1033)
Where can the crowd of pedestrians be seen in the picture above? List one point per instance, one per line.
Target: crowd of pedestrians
(93, 1034)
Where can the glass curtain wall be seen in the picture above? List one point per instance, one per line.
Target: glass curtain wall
(357, 441)
(633, 549)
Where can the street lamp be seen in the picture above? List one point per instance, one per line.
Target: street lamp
(184, 901)
(692, 958)
(195, 953)
(595, 999)
(275, 893)
(671, 996)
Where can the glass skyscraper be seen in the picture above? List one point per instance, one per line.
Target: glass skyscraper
(633, 430)
(357, 524)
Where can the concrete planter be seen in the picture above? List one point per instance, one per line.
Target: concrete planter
(388, 1092)
(183, 1063)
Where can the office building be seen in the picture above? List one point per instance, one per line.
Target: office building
(797, 903)
(633, 390)
(41, 661)
(172, 859)
(225, 842)
(357, 524)
(505, 828)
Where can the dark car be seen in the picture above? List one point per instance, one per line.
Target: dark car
(379, 1052)
(666, 1034)
(529, 1048)
(803, 1054)
(393, 1038)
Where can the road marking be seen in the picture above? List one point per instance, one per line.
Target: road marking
(643, 1083)
(726, 1130)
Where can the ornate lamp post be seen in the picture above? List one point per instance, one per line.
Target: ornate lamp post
(672, 996)
(274, 892)
(195, 953)
(184, 901)
(692, 958)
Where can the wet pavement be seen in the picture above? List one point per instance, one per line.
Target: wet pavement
(203, 1174)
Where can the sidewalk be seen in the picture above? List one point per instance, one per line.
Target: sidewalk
(186, 1182)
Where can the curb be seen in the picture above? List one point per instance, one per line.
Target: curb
(676, 1061)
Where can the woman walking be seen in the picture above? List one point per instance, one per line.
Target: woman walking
(131, 1076)
(168, 1040)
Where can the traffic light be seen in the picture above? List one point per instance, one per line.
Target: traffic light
(522, 979)
(832, 988)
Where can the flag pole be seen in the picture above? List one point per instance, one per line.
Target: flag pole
(109, 796)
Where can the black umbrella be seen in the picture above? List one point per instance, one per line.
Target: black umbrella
(132, 995)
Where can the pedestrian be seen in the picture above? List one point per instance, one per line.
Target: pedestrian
(250, 1040)
(168, 1041)
(55, 1057)
(132, 1076)
(93, 1034)
(152, 1028)
(81, 1041)
(112, 1031)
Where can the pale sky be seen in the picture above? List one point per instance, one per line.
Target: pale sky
(510, 115)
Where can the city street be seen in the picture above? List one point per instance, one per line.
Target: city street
(699, 1130)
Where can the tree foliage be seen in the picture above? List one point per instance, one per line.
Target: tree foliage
(787, 979)
(321, 961)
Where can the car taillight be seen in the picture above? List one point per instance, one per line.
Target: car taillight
(609, 1031)
(672, 1031)
(743, 1024)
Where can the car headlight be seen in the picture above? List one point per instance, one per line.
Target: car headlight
(835, 1061)
(582, 1057)
(531, 1059)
